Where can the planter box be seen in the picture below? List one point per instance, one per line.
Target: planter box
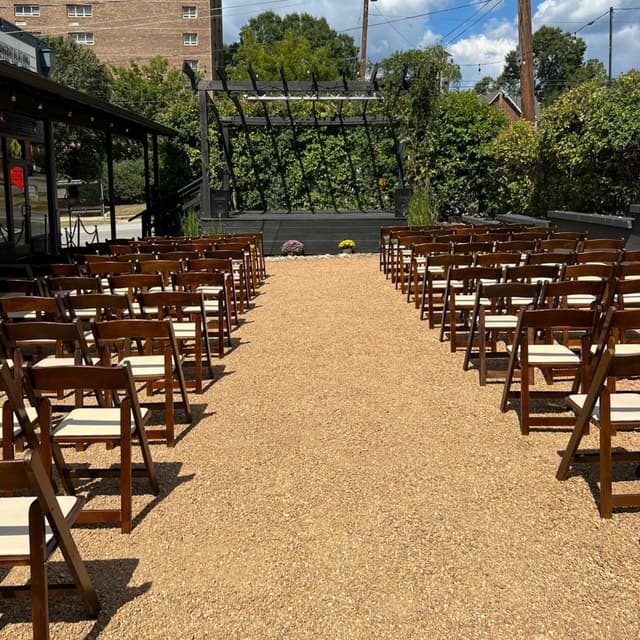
(599, 226)
(319, 232)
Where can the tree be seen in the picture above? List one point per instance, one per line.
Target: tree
(558, 59)
(163, 94)
(590, 149)
(413, 81)
(460, 126)
(301, 42)
(485, 86)
(79, 152)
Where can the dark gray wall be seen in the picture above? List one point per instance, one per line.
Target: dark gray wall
(320, 232)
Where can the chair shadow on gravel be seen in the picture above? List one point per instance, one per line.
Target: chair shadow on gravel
(543, 406)
(96, 489)
(111, 580)
(622, 472)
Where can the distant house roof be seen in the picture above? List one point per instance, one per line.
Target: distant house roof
(512, 105)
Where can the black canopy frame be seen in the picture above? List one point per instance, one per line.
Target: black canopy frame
(287, 91)
(30, 94)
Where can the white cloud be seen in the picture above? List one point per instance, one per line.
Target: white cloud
(479, 56)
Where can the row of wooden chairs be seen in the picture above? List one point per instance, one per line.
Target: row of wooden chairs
(551, 319)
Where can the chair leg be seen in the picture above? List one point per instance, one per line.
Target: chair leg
(125, 467)
(39, 580)
(606, 490)
(572, 447)
(524, 398)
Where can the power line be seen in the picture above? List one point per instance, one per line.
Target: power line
(591, 22)
(417, 15)
(457, 27)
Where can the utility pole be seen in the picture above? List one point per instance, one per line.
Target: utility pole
(217, 46)
(610, 41)
(363, 43)
(526, 60)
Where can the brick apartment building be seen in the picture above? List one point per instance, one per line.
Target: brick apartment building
(121, 31)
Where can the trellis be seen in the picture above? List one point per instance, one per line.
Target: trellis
(287, 92)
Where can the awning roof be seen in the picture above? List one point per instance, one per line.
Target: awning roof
(33, 95)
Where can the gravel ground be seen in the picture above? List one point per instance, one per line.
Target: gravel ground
(345, 479)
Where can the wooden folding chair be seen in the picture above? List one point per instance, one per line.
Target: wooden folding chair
(224, 266)
(186, 311)
(24, 308)
(460, 298)
(434, 283)
(32, 528)
(527, 352)
(213, 288)
(114, 426)
(73, 284)
(495, 313)
(611, 411)
(133, 342)
(417, 265)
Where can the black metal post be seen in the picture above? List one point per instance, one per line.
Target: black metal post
(110, 185)
(53, 241)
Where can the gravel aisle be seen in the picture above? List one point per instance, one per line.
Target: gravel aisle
(348, 480)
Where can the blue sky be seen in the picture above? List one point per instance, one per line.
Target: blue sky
(477, 36)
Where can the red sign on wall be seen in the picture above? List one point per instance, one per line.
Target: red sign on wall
(16, 175)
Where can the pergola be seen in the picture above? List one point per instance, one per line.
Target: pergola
(286, 92)
(29, 94)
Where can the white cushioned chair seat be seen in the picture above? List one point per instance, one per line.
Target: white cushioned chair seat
(143, 367)
(580, 300)
(210, 306)
(184, 330)
(500, 322)
(209, 290)
(626, 349)
(625, 407)
(550, 354)
(32, 414)
(53, 361)
(93, 422)
(14, 523)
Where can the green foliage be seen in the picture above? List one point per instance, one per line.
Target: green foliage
(558, 59)
(128, 181)
(459, 128)
(511, 170)
(424, 75)
(190, 224)
(590, 148)
(300, 42)
(79, 152)
(163, 94)
(422, 208)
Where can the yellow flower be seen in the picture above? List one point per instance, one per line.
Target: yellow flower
(346, 244)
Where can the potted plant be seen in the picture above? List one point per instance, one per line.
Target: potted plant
(292, 248)
(347, 246)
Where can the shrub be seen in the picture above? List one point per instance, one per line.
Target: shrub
(128, 181)
(292, 248)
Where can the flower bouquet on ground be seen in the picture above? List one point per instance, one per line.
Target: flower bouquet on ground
(292, 248)
(347, 246)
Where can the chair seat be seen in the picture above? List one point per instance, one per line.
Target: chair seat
(145, 367)
(14, 523)
(468, 301)
(209, 290)
(93, 422)
(626, 349)
(580, 300)
(210, 306)
(625, 407)
(184, 330)
(54, 361)
(546, 355)
(32, 414)
(501, 322)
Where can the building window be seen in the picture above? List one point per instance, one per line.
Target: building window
(190, 39)
(79, 11)
(193, 64)
(27, 10)
(189, 12)
(82, 37)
